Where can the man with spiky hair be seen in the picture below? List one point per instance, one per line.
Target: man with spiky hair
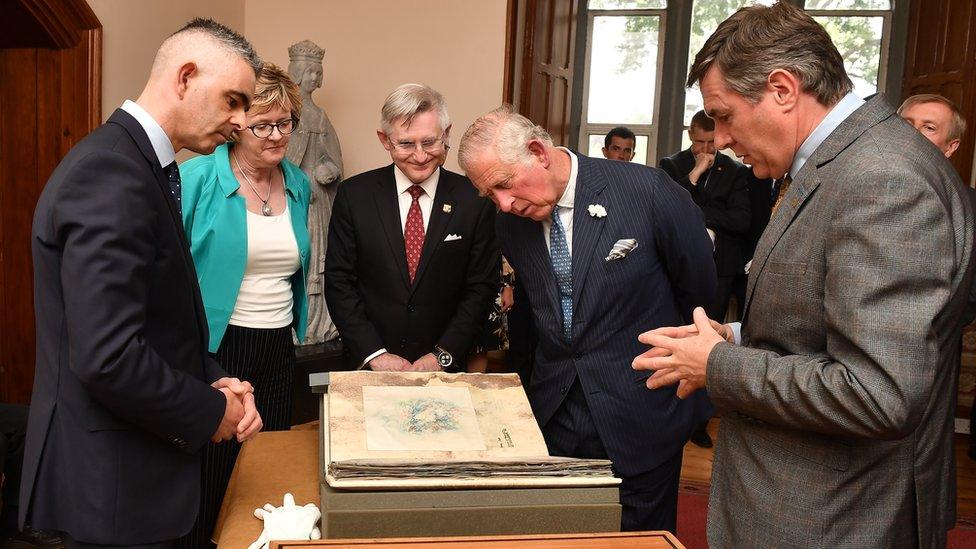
(125, 394)
(837, 399)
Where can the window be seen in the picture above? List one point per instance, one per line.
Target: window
(706, 15)
(621, 82)
(861, 30)
(624, 60)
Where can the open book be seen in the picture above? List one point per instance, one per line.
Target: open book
(437, 430)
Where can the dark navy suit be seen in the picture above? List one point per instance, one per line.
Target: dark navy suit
(121, 403)
(659, 283)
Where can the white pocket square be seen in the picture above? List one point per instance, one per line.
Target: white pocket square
(452, 237)
(620, 250)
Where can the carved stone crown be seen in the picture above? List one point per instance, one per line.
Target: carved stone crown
(305, 50)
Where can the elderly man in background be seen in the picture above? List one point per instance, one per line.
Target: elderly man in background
(412, 265)
(837, 406)
(603, 249)
(125, 394)
(939, 120)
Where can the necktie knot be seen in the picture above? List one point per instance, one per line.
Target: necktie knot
(416, 191)
(784, 186)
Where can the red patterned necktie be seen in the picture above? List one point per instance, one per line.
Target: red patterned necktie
(413, 233)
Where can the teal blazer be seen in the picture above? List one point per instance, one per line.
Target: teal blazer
(215, 220)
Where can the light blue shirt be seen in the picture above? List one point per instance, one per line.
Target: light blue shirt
(161, 144)
(844, 108)
(837, 115)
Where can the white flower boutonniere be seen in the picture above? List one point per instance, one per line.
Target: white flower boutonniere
(596, 211)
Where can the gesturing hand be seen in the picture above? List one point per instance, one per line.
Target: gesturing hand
(680, 354)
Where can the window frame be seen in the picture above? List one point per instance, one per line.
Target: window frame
(651, 131)
(665, 134)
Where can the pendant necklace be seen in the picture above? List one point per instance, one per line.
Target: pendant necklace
(265, 208)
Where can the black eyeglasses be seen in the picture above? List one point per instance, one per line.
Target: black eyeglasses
(264, 131)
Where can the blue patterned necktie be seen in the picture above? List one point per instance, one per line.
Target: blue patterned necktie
(562, 265)
(173, 173)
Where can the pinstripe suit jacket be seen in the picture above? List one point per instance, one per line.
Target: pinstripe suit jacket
(657, 284)
(837, 411)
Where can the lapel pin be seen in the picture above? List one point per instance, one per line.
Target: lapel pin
(447, 208)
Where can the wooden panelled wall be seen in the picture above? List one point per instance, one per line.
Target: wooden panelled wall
(49, 99)
(546, 48)
(941, 58)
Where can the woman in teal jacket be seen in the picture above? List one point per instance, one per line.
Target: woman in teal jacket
(245, 209)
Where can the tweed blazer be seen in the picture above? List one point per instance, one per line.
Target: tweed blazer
(837, 409)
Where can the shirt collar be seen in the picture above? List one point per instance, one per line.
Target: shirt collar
(161, 144)
(403, 182)
(834, 118)
(569, 195)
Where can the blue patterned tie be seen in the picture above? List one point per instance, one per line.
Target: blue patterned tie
(173, 173)
(562, 265)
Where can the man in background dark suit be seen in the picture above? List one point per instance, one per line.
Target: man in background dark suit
(603, 249)
(125, 395)
(412, 265)
(719, 186)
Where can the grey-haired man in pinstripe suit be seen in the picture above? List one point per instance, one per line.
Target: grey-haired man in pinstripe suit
(604, 249)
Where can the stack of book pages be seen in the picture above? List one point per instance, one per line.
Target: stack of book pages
(411, 430)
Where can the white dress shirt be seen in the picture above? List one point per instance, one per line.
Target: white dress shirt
(565, 204)
(426, 200)
(161, 144)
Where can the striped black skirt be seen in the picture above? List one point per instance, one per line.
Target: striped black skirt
(266, 358)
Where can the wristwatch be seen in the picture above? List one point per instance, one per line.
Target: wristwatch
(444, 358)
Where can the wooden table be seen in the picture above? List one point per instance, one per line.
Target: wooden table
(288, 461)
(609, 540)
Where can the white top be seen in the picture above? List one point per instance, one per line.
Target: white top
(565, 204)
(265, 298)
(426, 200)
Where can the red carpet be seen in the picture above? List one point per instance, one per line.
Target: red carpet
(693, 506)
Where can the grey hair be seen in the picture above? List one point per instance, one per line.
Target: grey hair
(409, 100)
(757, 40)
(958, 126)
(228, 38)
(505, 132)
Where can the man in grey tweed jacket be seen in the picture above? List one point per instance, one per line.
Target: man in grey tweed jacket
(837, 405)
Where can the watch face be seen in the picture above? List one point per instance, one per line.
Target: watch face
(445, 359)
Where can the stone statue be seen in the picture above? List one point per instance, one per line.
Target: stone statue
(314, 147)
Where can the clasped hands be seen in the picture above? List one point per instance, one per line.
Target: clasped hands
(389, 362)
(679, 354)
(241, 418)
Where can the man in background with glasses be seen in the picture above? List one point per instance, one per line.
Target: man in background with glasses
(412, 265)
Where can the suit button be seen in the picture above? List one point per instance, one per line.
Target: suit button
(563, 390)
(410, 308)
(578, 356)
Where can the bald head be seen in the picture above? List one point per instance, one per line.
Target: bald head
(200, 85)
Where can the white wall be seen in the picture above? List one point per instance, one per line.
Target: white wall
(372, 46)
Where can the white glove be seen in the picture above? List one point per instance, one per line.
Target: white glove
(288, 522)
